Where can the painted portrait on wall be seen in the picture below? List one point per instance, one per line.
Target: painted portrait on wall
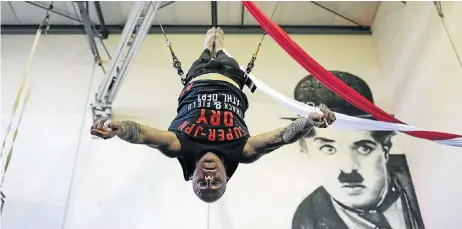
(362, 185)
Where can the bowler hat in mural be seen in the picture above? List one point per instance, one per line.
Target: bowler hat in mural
(311, 91)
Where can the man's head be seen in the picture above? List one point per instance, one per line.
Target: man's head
(352, 163)
(209, 178)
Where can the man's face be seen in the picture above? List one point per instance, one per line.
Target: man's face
(209, 178)
(352, 165)
(210, 173)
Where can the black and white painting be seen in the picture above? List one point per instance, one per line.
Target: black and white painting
(362, 185)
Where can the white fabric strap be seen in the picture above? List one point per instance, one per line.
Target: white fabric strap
(343, 121)
(18, 109)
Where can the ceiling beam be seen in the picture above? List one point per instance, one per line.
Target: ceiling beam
(337, 14)
(191, 29)
(56, 12)
(166, 4)
(14, 12)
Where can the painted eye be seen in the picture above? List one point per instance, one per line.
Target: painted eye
(328, 149)
(364, 149)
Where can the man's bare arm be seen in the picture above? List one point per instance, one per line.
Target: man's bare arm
(262, 144)
(136, 133)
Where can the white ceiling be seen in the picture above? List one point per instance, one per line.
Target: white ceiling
(295, 13)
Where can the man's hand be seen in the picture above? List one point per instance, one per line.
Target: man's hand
(322, 120)
(105, 129)
(265, 143)
(135, 133)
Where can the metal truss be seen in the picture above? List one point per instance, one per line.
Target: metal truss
(135, 30)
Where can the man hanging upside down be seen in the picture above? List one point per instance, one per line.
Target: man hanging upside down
(209, 136)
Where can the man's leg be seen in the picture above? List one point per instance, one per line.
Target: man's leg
(220, 55)
(204, 58)
(206, 55)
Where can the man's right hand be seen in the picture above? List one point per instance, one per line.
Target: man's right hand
(105, 129)
(135, 133)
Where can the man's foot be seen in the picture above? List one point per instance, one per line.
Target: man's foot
(210, 40)
(219, 40)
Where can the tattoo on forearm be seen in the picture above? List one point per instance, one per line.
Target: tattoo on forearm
(288, 135)
(296, 130)
(130, 131)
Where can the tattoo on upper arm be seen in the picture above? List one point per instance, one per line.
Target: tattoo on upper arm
(296, 130)
(130, 131)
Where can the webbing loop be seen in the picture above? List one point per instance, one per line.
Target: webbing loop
(21, 100)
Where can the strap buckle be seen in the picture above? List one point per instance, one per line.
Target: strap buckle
(249, 83)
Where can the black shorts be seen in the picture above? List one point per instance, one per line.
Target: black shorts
(222, 64)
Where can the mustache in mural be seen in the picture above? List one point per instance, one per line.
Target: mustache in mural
(353, 177)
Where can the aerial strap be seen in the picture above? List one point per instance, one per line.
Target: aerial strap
(251, 63)
(176, 62)
(387, 121)
(22, 98)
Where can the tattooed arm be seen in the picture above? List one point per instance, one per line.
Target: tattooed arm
(262, 144)
(135, 133)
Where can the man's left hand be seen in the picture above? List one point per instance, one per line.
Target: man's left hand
(324, 119)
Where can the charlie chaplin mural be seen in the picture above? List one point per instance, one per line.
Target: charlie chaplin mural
(363, 186)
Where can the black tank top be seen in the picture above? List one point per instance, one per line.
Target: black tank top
(210, 118)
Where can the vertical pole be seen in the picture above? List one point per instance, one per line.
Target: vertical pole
(214, 14)
(104, 31)
(87, 24)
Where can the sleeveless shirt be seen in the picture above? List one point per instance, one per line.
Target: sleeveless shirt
(210, 118)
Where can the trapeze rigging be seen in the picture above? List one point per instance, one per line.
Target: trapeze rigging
(135, 30)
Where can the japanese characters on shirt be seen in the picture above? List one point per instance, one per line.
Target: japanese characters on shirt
(216, 119)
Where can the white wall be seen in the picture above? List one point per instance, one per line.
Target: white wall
(118, 185)
(416, 56)
(40, 172)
